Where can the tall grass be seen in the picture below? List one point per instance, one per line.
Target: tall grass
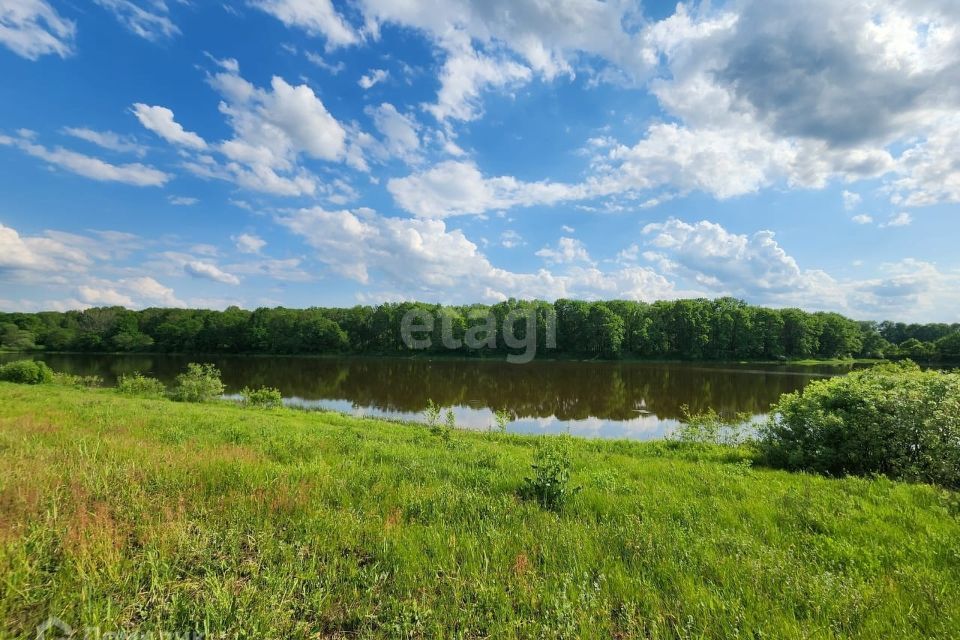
(133, 514)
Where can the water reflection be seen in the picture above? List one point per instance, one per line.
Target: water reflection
(603, 399)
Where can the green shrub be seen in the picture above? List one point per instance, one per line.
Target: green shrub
(444, 429)
(894, 420)
(264, 397)
(26, 372)
(503, 419)
(431, 414)
(200, 383)
(80, 382)
(550, 483)
(712, 428)
(137, 384)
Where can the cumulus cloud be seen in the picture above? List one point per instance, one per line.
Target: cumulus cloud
(68, 263)
(466, 74)
(136, 174)
(458, 187)
(510, 239)
(416, 257)
(316, 17)
(851, 200)
(372, 77)
(147, 19)
(500, 44)
(567, 250)
(273, 128)
(753, 266)
(400, 132)
(38, 253)
(33, 28)
(901, 219)
(160, 120)
(249, 243)
(209, 271)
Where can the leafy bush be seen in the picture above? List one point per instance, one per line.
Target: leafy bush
(894, 420)
(712, 428)
(26, 372)
(137, 384)
(200, 383)
(264, 397)
(81, 382)
(503, 419)
(550, 483)
(431, 414)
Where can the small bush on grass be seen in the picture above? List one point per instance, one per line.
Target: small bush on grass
(552, 465)
(712, 428)
(137, 384)
(264, 397)
(200, 383)
(503, 419)
(895, 420)
(26, 372)
(80, 382)
(431, 414)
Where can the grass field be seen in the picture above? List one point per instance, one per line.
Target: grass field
(147, 515)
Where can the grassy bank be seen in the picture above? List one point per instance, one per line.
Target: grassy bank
(143, 515)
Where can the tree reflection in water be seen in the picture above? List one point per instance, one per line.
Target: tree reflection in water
(612, 399)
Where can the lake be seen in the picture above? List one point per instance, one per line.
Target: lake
(596, 399)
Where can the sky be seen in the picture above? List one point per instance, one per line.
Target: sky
(316, 153)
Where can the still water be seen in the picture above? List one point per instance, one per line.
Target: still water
(595, 399)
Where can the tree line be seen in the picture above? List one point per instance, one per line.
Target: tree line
(696, 329)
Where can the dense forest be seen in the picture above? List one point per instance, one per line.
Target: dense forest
(701, 329)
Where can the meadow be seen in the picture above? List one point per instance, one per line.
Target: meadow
(146, 515)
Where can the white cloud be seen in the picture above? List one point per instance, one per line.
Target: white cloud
(400, 137)
(160, 120)
(108, 140)
(753, 266)
(32, 28)
(862, 219)
(249, 243)
(182, 201)
(209, 271)
(316, 17)
(416, 258)
(568, 250)
(104, 296)
(466, 74)
(273, 128)
(901, 219)
(567, 228)
(851, 200)
(482, 38)
(372, 77)
(510, 239)
(319, 61)
(62, 261)
(149, 23)
(90, 167)
(38, 253)
(928, 171)
(456, 188)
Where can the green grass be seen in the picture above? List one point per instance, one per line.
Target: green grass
(129, 514)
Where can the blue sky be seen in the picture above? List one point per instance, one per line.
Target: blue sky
(303, 152)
